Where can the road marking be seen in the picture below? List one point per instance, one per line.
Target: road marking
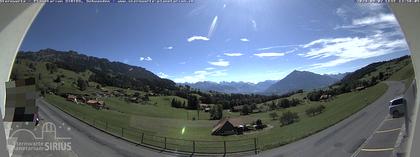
(355, 154)
(389, 119)
(376, 149)
(389, 130)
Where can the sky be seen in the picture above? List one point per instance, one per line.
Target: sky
(224, 40)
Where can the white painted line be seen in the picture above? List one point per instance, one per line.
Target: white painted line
(389, 130)
(390, 119)
(356, 153)
(376, 149)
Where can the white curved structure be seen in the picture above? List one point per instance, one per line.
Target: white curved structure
(408, 15)
(15, 20)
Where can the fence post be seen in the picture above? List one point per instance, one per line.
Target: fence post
(93, 122)
(406, 120)
(106, 125)
(193, 146)
(255, 145)
(224, 145)
(165, 142)
(122, 131)
(142, 137)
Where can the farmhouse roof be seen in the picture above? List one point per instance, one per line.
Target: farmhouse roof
(236, 122)
(71, 97)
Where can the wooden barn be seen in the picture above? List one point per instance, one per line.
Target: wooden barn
(231, 126)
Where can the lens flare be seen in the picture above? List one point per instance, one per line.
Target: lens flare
(183, 130)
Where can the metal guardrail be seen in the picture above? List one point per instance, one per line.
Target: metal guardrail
(141, 137)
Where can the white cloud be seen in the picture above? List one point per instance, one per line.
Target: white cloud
(254, 25)
(197, 38)
(212, 27)
(360, 9)
(381, 18)
(182, 62)
(233, 54)
(163, 75)
(270, 54)
(168, 48)
(244, 39)
(379, 21)
(210, 68)
(352, 48)
(381, 36)
(201, 75)
(277, 46)
(145, 59)
(341, 12)
(290, 51)
(224, 6)
(220, 62)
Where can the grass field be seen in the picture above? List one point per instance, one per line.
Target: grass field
(163, 120)
(406, 74)
(157, 119)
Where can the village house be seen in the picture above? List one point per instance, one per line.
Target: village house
(236, 108)
(231, 126)
(360, 88)
(96, 104)
(325, 97)
(81, 99)
(135, 99)
(72, 98)
(104, 90)
(118, 93)
(152, 94)
(206, 107)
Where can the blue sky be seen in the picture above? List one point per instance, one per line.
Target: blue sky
(224, 40)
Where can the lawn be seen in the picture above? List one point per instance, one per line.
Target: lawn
(159, 107)
(338, 109)
(406, 74)
(158, 118)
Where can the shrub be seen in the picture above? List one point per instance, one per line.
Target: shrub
(272, 106)
(273, 115)
(216, 112)
(246, 110)
(289, 117)
(259, 124)
(285, 103)
(315, 110)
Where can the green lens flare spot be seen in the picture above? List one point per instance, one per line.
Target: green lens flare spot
(183, 130)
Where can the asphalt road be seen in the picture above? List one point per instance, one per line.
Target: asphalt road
(342, 139)
(347, 136)
(85, 140)
(385, 141)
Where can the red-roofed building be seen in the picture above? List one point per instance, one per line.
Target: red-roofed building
(96, 104)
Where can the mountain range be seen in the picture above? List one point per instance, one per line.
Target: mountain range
(232, 87)
(105, 72)
(294, 81)
(305, 80)
(127, 76)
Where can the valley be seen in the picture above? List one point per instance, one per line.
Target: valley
(151, 111)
